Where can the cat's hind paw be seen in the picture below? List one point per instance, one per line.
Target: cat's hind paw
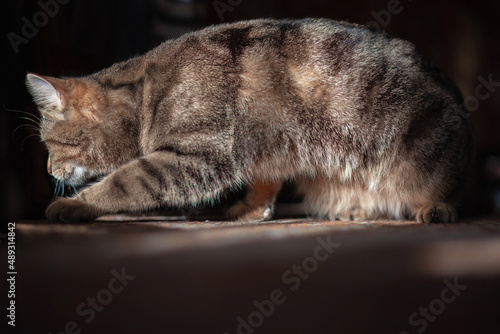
(436, 213)
(71, 210)
(242, 212)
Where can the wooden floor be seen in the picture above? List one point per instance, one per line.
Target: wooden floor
(166, 275)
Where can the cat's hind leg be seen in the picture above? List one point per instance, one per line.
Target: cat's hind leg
(258, 204)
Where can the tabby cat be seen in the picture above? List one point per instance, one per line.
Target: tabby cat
(362, 123)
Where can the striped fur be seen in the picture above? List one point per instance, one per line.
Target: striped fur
(365, 125)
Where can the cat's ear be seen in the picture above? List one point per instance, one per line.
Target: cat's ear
(47, 94)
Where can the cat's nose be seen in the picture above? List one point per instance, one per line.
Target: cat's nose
(49, 166)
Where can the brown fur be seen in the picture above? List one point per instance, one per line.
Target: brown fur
(365, 126)
(259, 202)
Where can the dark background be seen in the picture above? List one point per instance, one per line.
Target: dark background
(79, 37)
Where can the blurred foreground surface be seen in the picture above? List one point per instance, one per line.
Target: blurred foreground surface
(164, 275)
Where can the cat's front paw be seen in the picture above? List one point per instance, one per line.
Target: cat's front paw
(70, 210)
(436, 213)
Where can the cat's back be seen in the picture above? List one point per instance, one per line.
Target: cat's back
(310, 38)
(282, 52)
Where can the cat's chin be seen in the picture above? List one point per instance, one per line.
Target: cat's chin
(78, 177)
(81, 176)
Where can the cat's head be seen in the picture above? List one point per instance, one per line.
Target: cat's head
(88, 129)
